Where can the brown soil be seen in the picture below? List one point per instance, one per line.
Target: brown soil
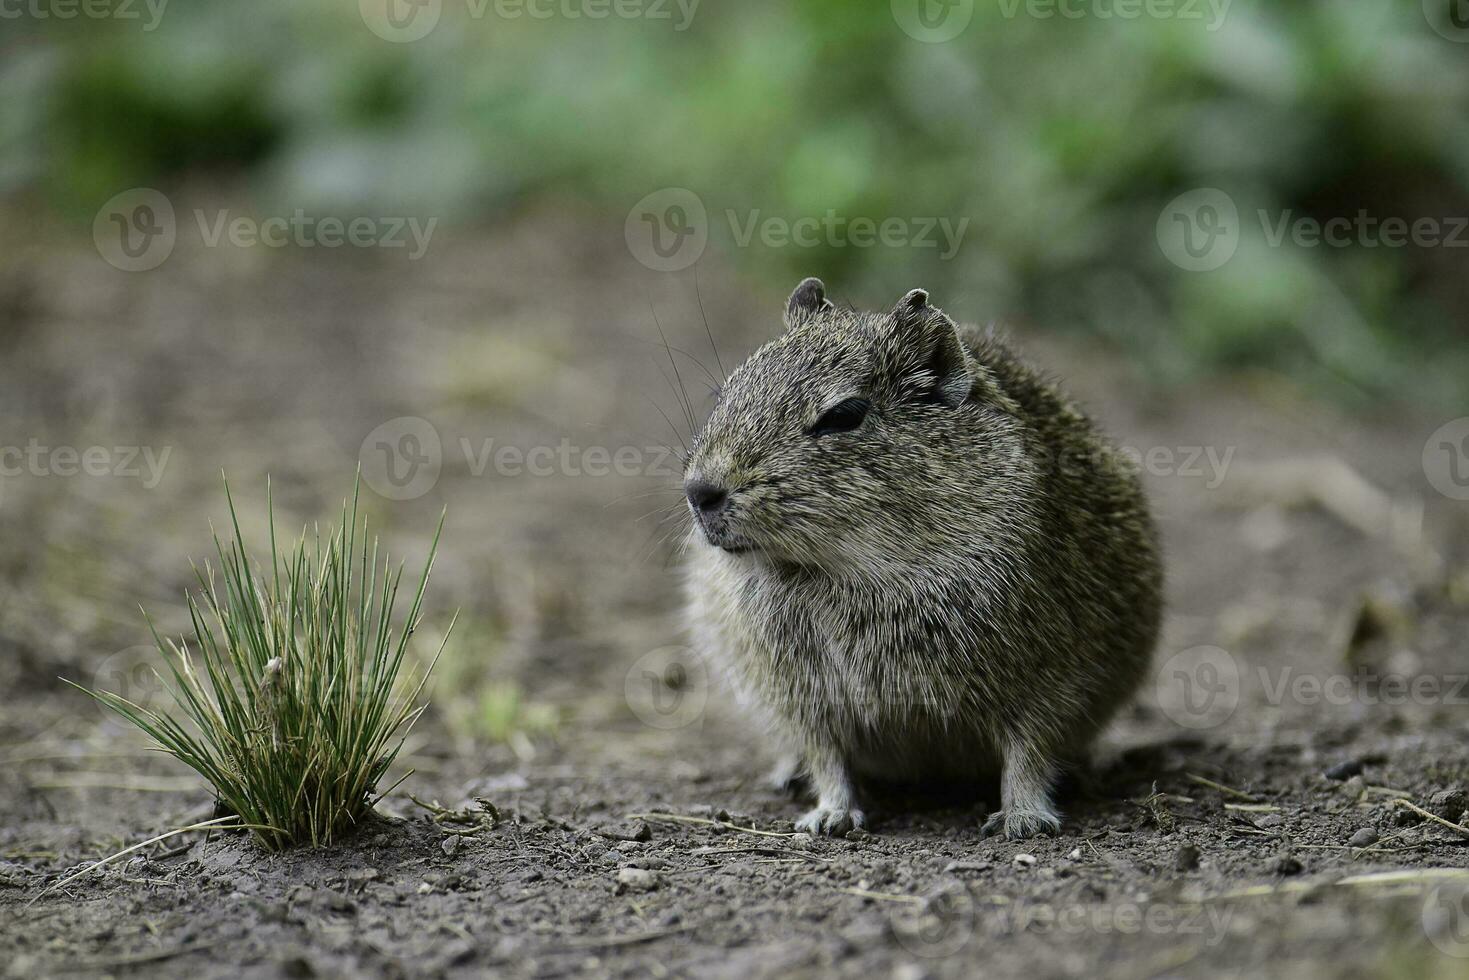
(1209, 842)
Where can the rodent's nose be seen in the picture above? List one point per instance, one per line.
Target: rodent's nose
(706, 498)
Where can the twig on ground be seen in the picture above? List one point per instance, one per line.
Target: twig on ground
(706, 822)
(1226, 790)
(1462, 831)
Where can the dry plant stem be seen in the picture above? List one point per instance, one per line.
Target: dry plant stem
(1426, 815)
(216, 824)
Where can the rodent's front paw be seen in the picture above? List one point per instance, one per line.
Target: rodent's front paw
(1021, 824)
(832, 821)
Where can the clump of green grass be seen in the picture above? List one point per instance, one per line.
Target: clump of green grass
(292, 702)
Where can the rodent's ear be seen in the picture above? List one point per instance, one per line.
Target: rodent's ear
(807, 299)
(929, 342)
(913, 299)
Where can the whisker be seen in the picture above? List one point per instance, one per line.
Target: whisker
(718, 362)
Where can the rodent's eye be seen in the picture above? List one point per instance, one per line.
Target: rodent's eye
(844, 416)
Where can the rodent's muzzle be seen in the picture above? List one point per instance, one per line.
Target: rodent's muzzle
(710, 505)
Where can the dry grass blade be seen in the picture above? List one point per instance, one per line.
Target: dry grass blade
(218, 823)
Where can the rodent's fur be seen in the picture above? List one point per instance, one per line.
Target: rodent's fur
(967, 583)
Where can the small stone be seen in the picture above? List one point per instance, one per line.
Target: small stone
(1186, 858)
(1074, 854)
(450, 845)
(1344, 770)
(637, 880)
(1365, 837)
(1287, 865)
(650, 862)
(1023, 862)
(1269, 820)
(954, 866)
(425, 888)
(1449, 804)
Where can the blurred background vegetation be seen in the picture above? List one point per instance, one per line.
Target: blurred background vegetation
(1061, 140)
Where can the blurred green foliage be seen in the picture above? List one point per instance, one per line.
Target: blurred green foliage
(1060, 139)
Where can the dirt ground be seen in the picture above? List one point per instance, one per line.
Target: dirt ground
(1249, 817)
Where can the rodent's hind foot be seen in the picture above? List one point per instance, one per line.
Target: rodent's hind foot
(832, 821)
(1021, 824)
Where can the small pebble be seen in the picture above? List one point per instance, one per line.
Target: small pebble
(450, 845)
(1344, 770)
(637, 880)
(1365, 837)
(1270, 820)
(1074, 854)
(1187, 858)
(1023, 862)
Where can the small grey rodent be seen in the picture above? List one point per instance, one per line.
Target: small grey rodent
(915, 560)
